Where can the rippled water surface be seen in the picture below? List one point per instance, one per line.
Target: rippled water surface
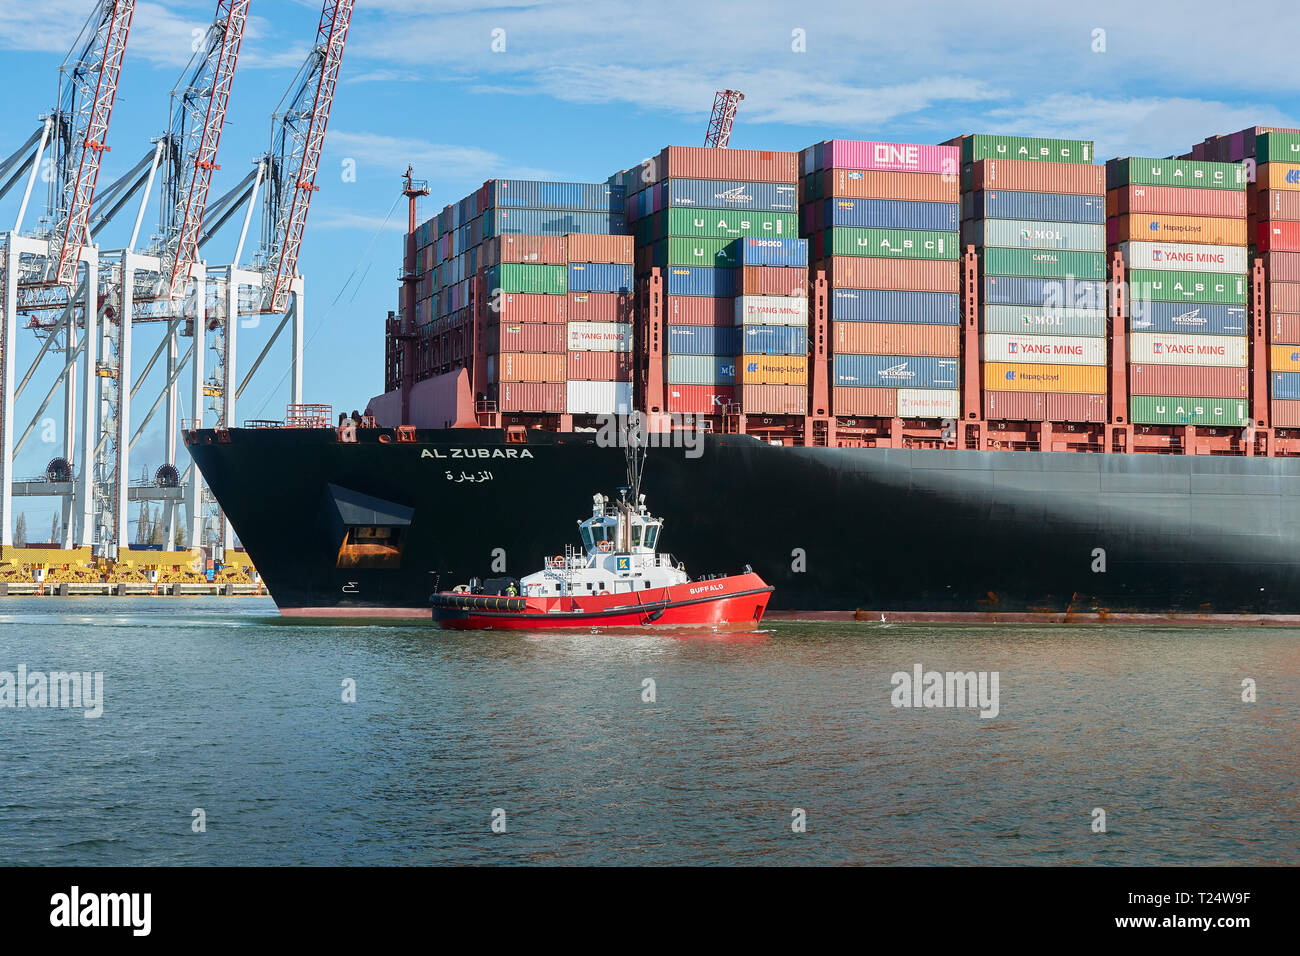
(218, 704)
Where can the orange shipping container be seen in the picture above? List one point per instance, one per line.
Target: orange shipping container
(886, 338)
(1284, 176)
(537, 250)
(1284, 358)
(772, 370)
(529, 307)
(1199, 229)
(591, 247)
(864, 402)
(1017, 377)
(916, 187)
(774, 399)
(524, 367)
(741, 165)
(1024, 175)
(526, 337)
(772, 280)
(908, 275)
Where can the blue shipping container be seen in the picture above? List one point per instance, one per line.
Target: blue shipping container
(753, 251)
(896, 371)
(700, 280)
(891, 214)
(774, 340)
(1171, 317)
(703, 340)
(701, 370)
(599, 277)
(1286, 385)
(551, 222)
(533, 194)
(726, 194)
(1045, 293)
(1049, 207)
(908, 308)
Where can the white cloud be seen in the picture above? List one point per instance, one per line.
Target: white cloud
(331, 219)
(443, 161)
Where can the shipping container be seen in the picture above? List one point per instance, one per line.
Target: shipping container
(698, 310)
(1034, 234)
(771, 370)
(1044, 349)
(728, 194)
(1282, 266)
(852, 401)
(890, 214)
(600, 307)
(1156, 348)
(771, 310)
(1283, 296)
(1284, 328)
(599, 277)
(723, 224)
(1277, 148)
(549, 280)
(1285, 385)
(701, 280)
(896, 371)
(1045, 207)
(909, 275)
(852, 184)
(772, 280)
(1184, 256)
(921, 308)
(704, 340)
(773, 399)
(599, 337)
(1045, 293)
(599, 398)
(1015, 406)
(770, 251)
(980, 146)
(535, 250)
(1284, 358)
(701, 370)
(883, 338)
(1142, 171)
(531, 194)
(1069, 407)
(894, 244)
(1278, 236)
(1279, 176)
(526, 307)
(1176, 201)
(1214, 382)
(1034, 177)
(525, 367)
(1276, 204)
(547, 222)
(1178, 317)
(1017, 377)
(1285, 414)
(583, 247)
(531, 397)
(700, 399)
(599, 367)
(524, 337)
(1182, 229)
(1199, 287)
(1023, 320)
(1043, 263)
(705, 253)
(743, 165)
(888, 157)
(1167, 410)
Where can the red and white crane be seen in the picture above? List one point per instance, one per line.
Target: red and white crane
(723, 118)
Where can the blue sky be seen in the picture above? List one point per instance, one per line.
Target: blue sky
(585, 88)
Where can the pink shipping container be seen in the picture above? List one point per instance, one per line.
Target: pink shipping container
(1276, 204)
(526, 367)
(1284, 297)
(526, 337)
(918, 187)
(1282, 266)
(743, 165)
(1062, 407)
(1284, 328)
(530, 307)
(908, 275)
(1176, 201)
(700, 399)
(1015, 406)
(850, 402)
(772, 280)
(774, 399)
(1029, 176)
(590, 247)
(1200, 381)
(531, 397)
(600, 307)
(600, 367)
(539, 250)
(699, 310)
(887, 338)
(1285, 414)
(892, 157)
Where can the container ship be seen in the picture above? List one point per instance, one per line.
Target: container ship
(989, 379)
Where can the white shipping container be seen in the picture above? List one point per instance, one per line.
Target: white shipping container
(772, 310)
(929, 403)
(1032, 234)
(1155, 348)
(1045, 349)
(1184, 257)
(600, 337)
(599, 398)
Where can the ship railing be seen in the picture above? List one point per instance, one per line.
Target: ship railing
(309, 416)
(262, 423)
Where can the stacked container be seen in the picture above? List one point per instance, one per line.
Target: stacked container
(882, 220)
(692, 211)
(1180, 226)
(1035, 211)
(599, 366)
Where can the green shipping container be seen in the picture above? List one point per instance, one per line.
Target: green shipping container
(514, 277)
(725, 224)
(712, 253)
(1044, 263)
(643, 233)
(980, 146)
(1136, 171)
(893, 243)
(1144, 410)
(1277, 148)
(1206, 288)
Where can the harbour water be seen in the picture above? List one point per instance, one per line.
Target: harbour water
(219, 705)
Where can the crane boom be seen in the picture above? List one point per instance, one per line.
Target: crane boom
(301, 137)
(198, 117)
(722, 118)
(93, 79)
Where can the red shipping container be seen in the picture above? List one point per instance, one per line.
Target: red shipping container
(525, 337)
(1278, 235)
(1275, 204)
(915, 187)
(908, 275)
(888, 338)
(536, 250)
(698, 310)
(1176, 201)
(742, 165)
(774, 399)
(600, 367)
(1285, 414)
(699, 399)
(1284, 328)
(772, 280)
(1190, 380)
(853, 402)
(1282, 266)
(600, 307)
(1063, 407)
(591, 247)
(1029, 176)
(1015, 406)
(1283, 296)
(531, 397)
(529, 307)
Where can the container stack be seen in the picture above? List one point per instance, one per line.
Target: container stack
(1035, 211)
(694, 212)
(599, 339)
(882, 220)
(1180, 226)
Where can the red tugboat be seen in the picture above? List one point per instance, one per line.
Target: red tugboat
(616, 579)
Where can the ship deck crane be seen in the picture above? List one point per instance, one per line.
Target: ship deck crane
(723, 118)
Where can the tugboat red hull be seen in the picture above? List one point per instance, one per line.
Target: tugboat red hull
(733, 603)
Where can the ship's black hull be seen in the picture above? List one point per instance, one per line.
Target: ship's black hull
(918, 532)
